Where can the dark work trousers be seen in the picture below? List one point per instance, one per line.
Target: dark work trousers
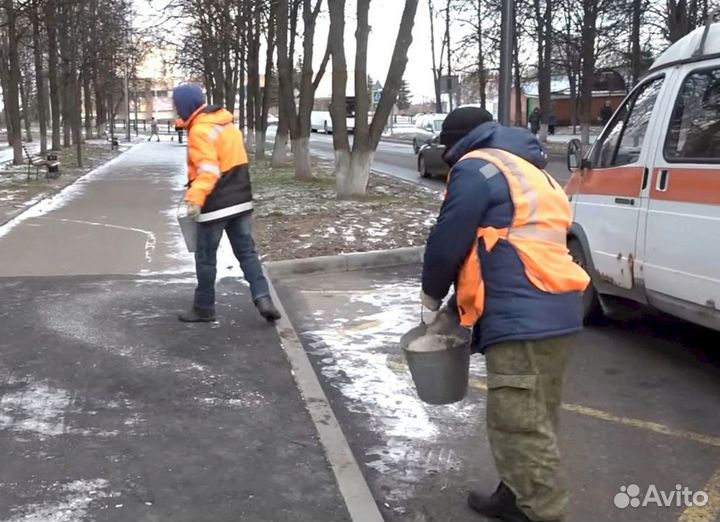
(239, 231)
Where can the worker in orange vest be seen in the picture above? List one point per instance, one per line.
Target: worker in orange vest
(500, 241)
(219, 197)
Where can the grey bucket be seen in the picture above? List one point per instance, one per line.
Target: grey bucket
(188, 226)
(440, 376)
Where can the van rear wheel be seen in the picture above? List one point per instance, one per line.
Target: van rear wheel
(591, 302)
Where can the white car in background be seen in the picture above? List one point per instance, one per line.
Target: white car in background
(427, 128)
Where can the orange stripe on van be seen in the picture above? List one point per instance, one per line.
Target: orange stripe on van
(688, 186)
(573, 184)
(620, 181)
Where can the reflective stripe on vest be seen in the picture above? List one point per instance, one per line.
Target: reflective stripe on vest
(538, 233)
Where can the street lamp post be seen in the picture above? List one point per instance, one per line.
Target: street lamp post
(506, 46)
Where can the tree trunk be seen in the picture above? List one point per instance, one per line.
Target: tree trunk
(279, 157)
(11, 98)
(482, 76)
(24, 94)
(543, 12)
(257, 95)
(353, 176)
(519, 120)
(588, 69)
(253, 81)
(635, 37)
(301, 158)
(267, 90)
(40, 80)
(88, 106)
(336, 39)
(53, 79)
(352, 181)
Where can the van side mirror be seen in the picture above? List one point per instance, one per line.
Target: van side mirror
(574, 155)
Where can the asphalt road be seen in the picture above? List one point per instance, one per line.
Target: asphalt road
(398, 160)
(640, 406)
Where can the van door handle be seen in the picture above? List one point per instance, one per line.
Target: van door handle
(625, 201)
(662, 181)
(646, 178)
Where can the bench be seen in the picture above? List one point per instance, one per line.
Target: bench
(51, 165)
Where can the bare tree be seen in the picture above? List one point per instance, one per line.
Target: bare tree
(298, 116)
(353, 166)
(11, 65)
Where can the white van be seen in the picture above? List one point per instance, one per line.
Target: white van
(321, 121)
(646, 197)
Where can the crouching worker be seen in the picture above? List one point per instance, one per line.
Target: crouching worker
(220, 198)
(500, 239)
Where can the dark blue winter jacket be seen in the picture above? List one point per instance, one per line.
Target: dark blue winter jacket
(514, 308)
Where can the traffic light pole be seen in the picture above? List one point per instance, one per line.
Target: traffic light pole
(506, 46)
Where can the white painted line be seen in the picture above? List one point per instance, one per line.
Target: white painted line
(358, 498)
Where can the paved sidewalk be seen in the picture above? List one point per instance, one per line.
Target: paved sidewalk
(111, 409)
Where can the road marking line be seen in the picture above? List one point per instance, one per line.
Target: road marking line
(609, 417)
(150, 241)
(710, 511)
(355, 490)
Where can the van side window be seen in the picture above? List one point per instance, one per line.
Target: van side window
(624, 136)
(694, 133)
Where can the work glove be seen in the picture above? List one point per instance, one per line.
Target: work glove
(430, 303)
(192, 210)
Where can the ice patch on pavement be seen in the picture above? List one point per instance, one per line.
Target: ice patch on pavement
(77, 497)
(355, 356)
(43, 411)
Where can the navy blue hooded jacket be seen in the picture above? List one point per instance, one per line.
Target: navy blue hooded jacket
(514, 308)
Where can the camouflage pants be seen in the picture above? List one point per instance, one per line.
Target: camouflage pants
(524, 395)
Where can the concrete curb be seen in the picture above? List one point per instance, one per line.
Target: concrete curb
(403, 141)
(347, 262)
(356, 492)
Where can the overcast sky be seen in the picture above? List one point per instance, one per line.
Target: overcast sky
(384, 20)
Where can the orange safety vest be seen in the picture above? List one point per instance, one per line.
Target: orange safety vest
(538, 233)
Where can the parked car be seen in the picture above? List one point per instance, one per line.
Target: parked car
(427, 127)
(430, 161)
(646, 196)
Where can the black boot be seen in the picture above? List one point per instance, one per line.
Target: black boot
(267, 309)
(500, 504)
(197, 316)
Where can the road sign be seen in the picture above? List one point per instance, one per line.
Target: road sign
(376, 96)
(449, 84)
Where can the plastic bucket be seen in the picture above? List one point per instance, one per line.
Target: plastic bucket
(189, 228)
(440, 370)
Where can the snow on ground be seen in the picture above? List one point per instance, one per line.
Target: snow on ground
(360, 356)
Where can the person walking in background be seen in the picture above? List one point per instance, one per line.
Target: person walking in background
(606, 113)
(552, 121)
(154, 131)
(534, 120)
(500, 240)
(220, 198)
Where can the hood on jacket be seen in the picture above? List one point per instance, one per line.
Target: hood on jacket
(187, 98)
(492, 135)
(213, 114)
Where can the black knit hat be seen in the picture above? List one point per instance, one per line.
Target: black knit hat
(460, 122)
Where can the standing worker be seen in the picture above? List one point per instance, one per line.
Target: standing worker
(500, 239)
(219, 196)
(154, 130)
